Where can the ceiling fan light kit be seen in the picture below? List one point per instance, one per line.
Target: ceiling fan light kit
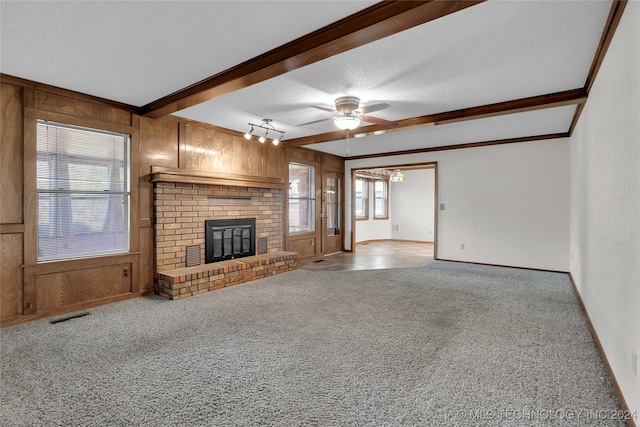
(349, 115)
(347, 123)
(267, 126)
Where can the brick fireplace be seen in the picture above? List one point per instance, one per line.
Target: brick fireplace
(181, 210)
(184, 201)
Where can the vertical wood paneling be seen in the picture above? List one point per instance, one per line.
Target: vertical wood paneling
(146, 258)
(30, 199)
(76, 286)
(158, 147)
(134, 206)
(212, 151)
(305, 246)
(332, 163)
(302, 155)
(251, 154)
(81, 108)
(274, 162)
(11, 160)
(10, 275)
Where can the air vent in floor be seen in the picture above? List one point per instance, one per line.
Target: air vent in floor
(64, 319)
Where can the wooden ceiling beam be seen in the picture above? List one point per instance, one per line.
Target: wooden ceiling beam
(558, 99)
(373, 23)
(615, 14)
(459, 146)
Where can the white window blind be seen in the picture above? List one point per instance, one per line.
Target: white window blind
(381, 190)
(83, 192)
(362, 199)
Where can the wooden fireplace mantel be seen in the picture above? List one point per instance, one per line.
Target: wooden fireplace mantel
(164, 174)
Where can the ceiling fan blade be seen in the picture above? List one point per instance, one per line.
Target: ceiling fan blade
(316, 121)
(377, 121)
(331, 110)
(372, 108)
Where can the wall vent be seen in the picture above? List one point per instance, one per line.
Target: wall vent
(262, 245)
(193, 255)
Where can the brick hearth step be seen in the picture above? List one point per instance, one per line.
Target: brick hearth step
(187, 281)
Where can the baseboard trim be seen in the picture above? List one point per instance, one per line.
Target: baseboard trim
(502, 265)
(614, 382)
(57, 311)
(426, 242)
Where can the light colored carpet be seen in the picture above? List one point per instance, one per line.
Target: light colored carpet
(446, 344)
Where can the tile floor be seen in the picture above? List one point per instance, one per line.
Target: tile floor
(374, 255)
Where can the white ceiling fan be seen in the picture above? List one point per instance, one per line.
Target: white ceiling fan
(349, 115)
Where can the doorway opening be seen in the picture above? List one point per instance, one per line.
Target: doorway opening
(403, 211)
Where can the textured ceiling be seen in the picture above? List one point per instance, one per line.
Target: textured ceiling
(492, 52)
(138, 51)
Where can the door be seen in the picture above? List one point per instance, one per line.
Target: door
(331, 212)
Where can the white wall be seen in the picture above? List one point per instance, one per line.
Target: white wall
(605, 203)
(411, 206)
(508, 204)
(370, 229)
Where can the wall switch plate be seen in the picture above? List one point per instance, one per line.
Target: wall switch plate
(634, 363)
(461, 245)
(441, 206)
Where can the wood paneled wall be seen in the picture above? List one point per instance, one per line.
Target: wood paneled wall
(11, 184)
(31, 290)
(309, 245)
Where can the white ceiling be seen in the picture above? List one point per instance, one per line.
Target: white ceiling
(137, 52)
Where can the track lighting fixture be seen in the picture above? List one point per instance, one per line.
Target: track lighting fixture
(267, 126)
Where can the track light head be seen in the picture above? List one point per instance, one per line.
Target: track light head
(248, 135)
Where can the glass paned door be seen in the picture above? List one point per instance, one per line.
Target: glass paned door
(333, 206)
(332, 213)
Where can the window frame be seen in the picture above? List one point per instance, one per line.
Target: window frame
(365, 199)
(57, 215)
(385, 198)
(311, 200)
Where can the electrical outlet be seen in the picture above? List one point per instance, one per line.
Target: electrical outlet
(634, 363)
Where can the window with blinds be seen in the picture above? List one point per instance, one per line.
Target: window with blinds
(83, 192)
(302, 200)
(361, 210)
(381, 199)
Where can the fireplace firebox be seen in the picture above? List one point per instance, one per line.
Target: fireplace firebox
(229, 239)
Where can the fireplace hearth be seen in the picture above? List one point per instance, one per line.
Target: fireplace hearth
(229, 239)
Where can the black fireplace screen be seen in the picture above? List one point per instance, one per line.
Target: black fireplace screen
(229, 239)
